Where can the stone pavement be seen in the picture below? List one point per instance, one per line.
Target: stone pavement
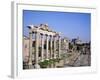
(78, 59)
(71, 60)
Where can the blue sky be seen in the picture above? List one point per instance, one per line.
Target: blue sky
(70, 24)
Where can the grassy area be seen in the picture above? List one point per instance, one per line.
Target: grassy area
(46, 63)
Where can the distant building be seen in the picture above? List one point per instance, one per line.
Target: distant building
(76, 41)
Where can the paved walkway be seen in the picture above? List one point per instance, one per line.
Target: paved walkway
(78, 59)
(83, 60)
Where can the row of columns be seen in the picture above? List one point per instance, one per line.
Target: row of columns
(52, 38)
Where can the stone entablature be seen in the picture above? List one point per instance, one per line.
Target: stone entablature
(43, 29)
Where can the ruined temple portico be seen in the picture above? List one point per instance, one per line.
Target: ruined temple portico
(47, 36)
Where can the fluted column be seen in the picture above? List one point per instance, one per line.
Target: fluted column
(42, 47)
(30, 49)
(51, 46)
(37, 50)
(46, 46)
(59, 48)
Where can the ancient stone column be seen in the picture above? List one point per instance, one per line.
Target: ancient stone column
(42, 47)
(54, 38)
(50, 46)
(30, 49)
(37, 50)
(54, 46)
(59, 48)
(47, 47)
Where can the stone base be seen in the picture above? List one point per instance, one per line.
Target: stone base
(47, 59)
(60, 64)
(55, 65)
(31, 67)
(36, 66)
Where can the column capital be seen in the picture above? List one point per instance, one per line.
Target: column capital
(35, 32)
(54, 36)
(51, 36)
(30, 32)
(46, 35)
(41, 34)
